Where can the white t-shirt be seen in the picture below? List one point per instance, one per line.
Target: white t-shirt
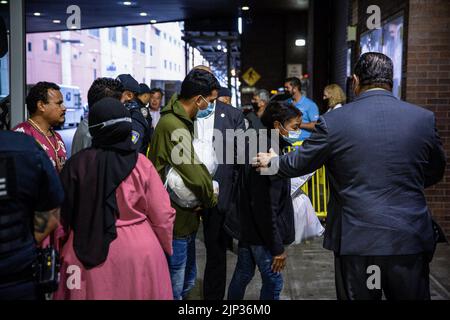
(156, 115)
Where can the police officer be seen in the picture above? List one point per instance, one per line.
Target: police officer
(141, 133)
(29, 190)
(144, 98)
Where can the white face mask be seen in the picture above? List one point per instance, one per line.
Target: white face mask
(111, 122)
(293, 135)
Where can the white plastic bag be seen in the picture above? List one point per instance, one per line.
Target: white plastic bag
(174, 184)
(307, 225)
(297, 183)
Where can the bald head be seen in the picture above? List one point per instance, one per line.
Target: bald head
(204, 68)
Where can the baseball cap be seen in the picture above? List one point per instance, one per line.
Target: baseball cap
(144, 89)
(129, 83)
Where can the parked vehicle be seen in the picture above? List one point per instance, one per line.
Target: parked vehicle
(72, 101)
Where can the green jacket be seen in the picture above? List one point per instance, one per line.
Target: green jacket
(194, 174)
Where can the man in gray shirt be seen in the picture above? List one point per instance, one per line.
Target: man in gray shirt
(101, 88)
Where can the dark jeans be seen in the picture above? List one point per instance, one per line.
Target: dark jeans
(248, 259)
(182, 266)
(399, 277)
(216, 243)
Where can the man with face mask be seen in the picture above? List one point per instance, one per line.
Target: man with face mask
(172, 147)
(309, 109)
(260, 101)
(219, 117)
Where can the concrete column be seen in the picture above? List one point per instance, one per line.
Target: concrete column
(18, 61)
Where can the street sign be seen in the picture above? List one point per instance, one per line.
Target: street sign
(251, 77)
(295, 70)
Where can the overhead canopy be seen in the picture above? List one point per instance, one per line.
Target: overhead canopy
(108, 13)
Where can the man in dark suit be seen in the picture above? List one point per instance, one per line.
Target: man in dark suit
(224, 117)
(380, 154)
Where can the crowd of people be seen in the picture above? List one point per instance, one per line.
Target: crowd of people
(125, 209)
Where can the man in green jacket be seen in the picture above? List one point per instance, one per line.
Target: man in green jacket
(175, 132)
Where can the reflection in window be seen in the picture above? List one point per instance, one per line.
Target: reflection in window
(112, 34)
(125, 37)
(94, 32)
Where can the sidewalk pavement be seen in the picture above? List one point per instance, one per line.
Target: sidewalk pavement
(309, 274)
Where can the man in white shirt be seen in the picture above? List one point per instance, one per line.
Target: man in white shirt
(156, 96)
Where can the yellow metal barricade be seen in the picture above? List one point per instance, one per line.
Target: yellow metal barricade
(318, 190)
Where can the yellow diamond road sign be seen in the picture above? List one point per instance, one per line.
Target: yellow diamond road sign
(251, 77)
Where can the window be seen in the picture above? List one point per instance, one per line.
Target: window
(134, 44)
(45, 45)
(142, 47)
(125, 37)
(170, 66)
(165, 64)
(151, 50)
(170, 39)
(57, 48)
(94, 32)
(112, 34)
(157, 32)
(95, 74)
(165, 36)
(30, 47)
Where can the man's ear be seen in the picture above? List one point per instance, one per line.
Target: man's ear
(355, 82)
(277, 125)
(40, 106)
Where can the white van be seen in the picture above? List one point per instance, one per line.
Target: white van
(72, 102)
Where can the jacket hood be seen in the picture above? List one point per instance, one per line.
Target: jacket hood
(174, 106)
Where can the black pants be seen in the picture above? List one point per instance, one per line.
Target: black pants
(367, 278)
(216, 242)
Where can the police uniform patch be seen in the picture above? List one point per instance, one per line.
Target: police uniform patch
(144, 112)
(135, 136)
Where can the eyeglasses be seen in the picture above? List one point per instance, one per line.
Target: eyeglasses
(205, 100)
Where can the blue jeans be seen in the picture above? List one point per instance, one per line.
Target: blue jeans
(182, 266)
(248, 259)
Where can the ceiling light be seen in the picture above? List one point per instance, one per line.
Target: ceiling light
(4, 2)
(225, 50)
(127, 3)
(219, 47)
(300, 42)
(245, 8)
(56, 21)
(143, 14)
(37, 14)
(153, 21)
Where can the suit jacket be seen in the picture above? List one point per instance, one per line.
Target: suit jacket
(380, 154)
(227, 117)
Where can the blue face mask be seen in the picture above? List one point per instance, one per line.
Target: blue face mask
(293, 136)
(207, 112)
